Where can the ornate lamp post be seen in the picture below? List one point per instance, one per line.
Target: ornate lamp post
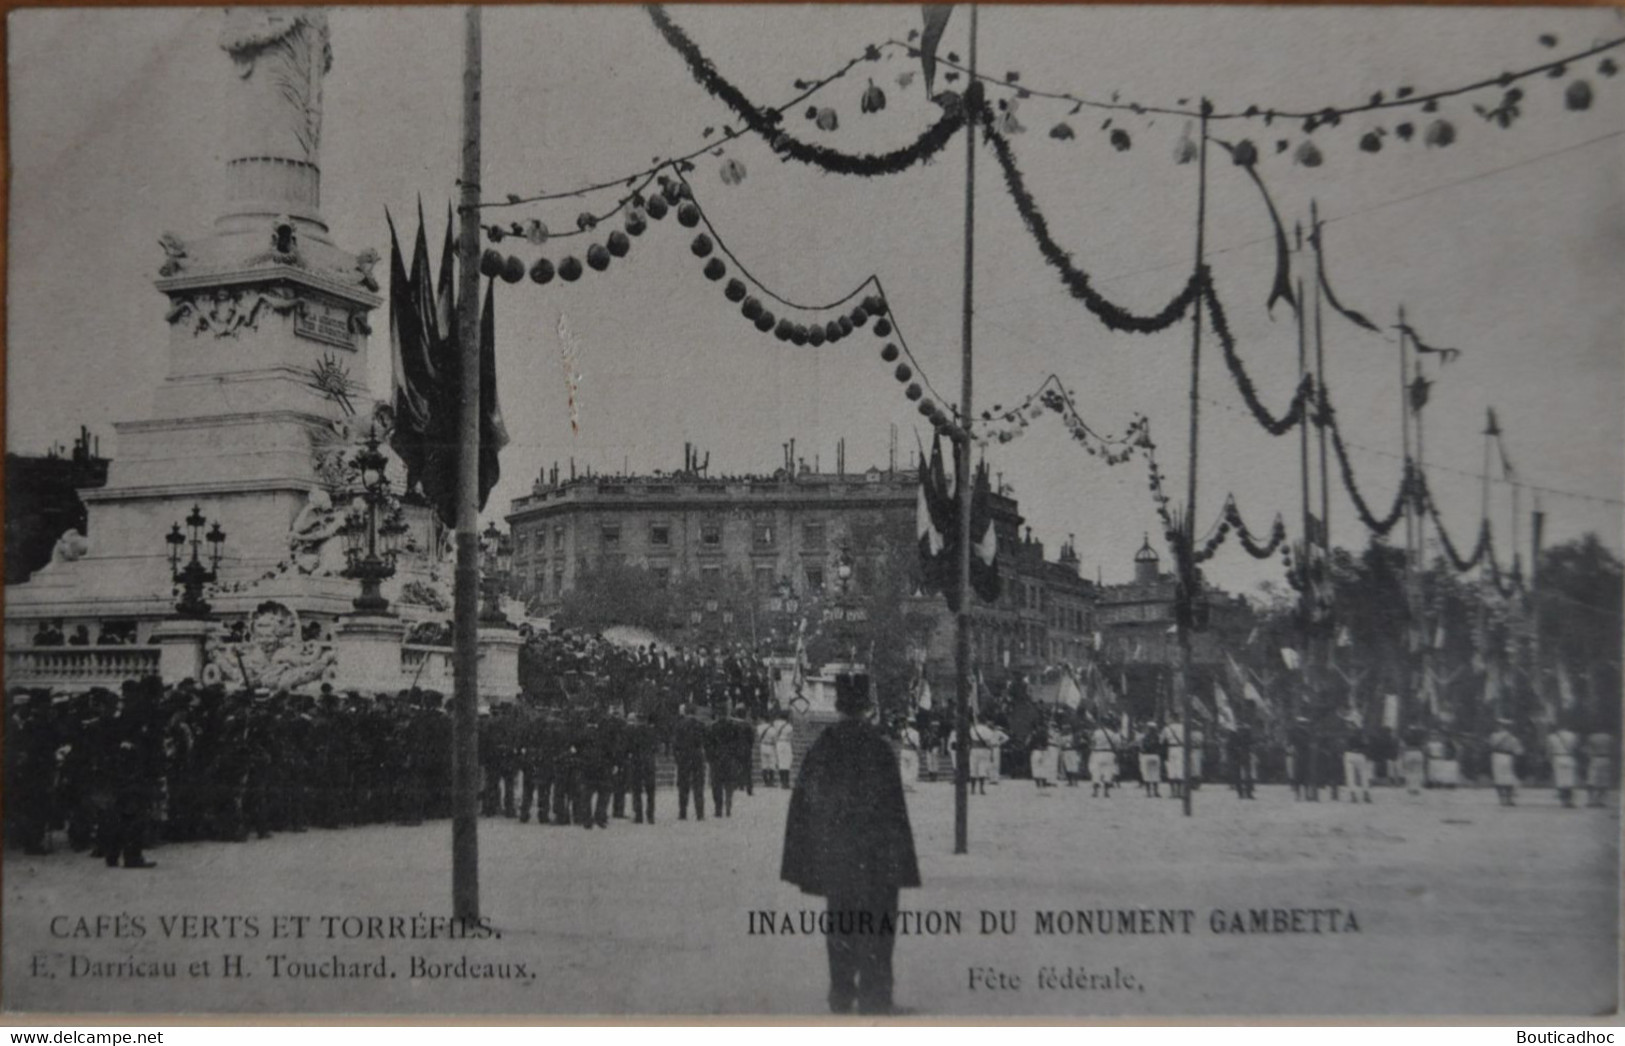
(371, 541)
(491, 614)
(847, 614)
(194, 575)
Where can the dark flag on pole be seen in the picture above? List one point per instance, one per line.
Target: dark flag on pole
(936, 20)
(938, 520)
(427, 393)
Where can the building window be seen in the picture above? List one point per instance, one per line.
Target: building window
(762, 535)
(610, 533)
(660, 535)
(558, 582)
(711, 535)
(662, 576)
(711, 576)
(764, 579)
(558, 535)
(815, 577)
(813, 537)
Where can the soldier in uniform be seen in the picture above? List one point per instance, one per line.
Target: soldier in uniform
(614, 728)
(1412, 760)
(640, 768)
(688, 748)
(595, 766)
(908, 753)
(847, 837)
(764, 752)
(1301, 740)
(129, 786)
(744, 738)
(1599, 751)
(1505, 748)
(1357, 763)
(1151, 760)
(719, 757)
(1103, 752)
(1563, 748)
(1174, 765)
(783, 748)
(1241, 759)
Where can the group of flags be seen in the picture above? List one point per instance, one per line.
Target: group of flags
(428, 380)
(937, 519)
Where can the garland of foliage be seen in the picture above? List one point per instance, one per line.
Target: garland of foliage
(768, 122)
(1382, 526)
(1114, 316)
(1230, 520)
(1238, 372)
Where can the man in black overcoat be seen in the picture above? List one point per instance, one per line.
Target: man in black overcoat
(847, 838)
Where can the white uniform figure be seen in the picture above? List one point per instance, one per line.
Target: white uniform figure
(1173, 738)
(1563, 747)
(783, 752)
(765, 753)
(908, 756)
(997, 738)
(1043, 760)
(1103, 745)
(1504, 751)
(981, 755)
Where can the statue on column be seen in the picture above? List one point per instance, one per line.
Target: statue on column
(281, 55)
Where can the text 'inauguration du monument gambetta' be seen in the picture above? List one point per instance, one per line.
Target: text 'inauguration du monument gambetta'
(1055, 922)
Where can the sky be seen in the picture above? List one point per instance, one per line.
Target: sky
(1509, 244)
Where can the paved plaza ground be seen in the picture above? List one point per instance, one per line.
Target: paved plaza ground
(1462, 907)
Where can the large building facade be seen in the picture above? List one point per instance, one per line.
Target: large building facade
(770, 532)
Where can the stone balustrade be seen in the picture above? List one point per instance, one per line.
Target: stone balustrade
(79, 667)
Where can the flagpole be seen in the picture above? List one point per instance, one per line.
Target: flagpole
(1186, 561)
(465, 852)
(1306, 594)
(1325, 475)
(1417, 627)
(962, 470)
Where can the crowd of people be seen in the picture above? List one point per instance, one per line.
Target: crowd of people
(1335, 755)
(116, 772)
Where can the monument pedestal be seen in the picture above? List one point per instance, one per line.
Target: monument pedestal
(498, 681)
(368, 649)
(180, 648)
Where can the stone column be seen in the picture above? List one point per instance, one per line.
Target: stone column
(499, 665)
(368, 652)
(180, 648)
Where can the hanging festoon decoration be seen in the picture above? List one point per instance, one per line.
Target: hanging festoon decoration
(1230, 521)
(1275, 426)
(1114, 316)
(769, 123)
(873, 99)
(733, 172)
(1496, 98)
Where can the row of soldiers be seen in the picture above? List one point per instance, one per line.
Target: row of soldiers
(1328, 754)
(119, 771)
(579, 767)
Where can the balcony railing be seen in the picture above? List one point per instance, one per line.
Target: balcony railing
(78, 667)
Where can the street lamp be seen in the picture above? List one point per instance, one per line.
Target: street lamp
(194, 575)
(491, 579)
(371, 542)
(843, 570)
